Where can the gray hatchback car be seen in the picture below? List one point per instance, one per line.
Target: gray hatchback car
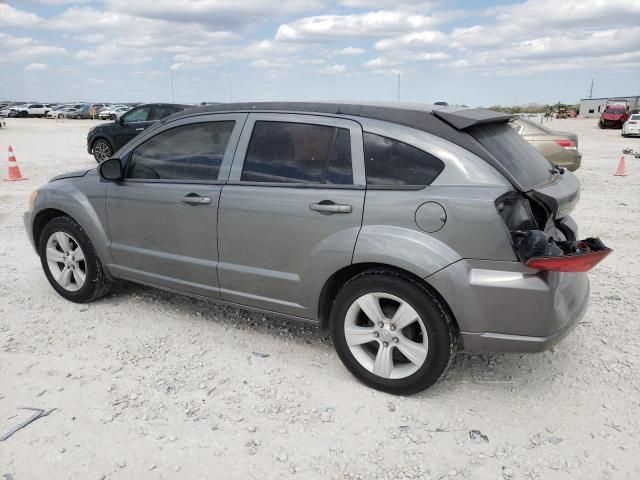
(408, 231)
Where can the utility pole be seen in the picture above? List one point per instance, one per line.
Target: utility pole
(229, 81)
(591, 89)
(398, 97)
(171, 84)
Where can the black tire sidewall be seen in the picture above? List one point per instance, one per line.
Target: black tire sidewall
(437, 324)
(66, 225)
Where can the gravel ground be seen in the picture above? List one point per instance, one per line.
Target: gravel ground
(150, 385)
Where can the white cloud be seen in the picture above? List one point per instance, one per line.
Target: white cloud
(19, 49)
(36, 67)
(216, 14)
(413, 40)
(12, 17)
(349, 51)
(333, 70)
(371, 24)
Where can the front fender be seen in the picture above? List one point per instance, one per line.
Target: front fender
(83, 199)
(403, 248)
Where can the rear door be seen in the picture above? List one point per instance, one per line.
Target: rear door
(163, 215)
(291, 211)
(131, 124)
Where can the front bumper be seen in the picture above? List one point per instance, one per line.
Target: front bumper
(28, 226)
(505, 307)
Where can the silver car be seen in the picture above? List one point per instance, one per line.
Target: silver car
(410, 232)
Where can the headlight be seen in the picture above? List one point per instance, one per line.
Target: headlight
(32, 199)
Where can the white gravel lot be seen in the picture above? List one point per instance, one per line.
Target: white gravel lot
(150, 385)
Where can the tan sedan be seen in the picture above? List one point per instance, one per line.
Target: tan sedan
(559, 148)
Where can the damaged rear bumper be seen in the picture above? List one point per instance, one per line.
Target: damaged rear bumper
(505, 307)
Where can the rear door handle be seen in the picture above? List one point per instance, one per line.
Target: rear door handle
(195, 199)
(330, 207)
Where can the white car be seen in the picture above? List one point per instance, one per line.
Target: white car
(30, 110)
(113, 112)
(62, 110)
(5, 112)
(632, 126)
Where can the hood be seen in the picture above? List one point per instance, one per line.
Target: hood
(76, 173)
(613, 115)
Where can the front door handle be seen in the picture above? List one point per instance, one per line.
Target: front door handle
(195, 199)
(327, 206)
(139, 129)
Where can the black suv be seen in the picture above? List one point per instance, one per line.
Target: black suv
(103, 140)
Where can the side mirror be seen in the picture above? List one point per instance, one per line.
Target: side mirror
(111, 169)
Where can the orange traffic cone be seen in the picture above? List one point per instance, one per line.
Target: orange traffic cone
(620, 171)
(14, 171)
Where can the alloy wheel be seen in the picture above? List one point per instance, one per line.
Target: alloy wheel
(66, 261)
(386, 335)
(102, 151)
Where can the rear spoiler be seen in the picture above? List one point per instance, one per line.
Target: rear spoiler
(461, 119)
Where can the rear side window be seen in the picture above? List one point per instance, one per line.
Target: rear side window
(160, 111)
(514, 154)
(285, 152)
(189, 152)
(391, 163)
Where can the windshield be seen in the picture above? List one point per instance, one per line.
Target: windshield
(635, 117)
(616, 111)
(514, 154)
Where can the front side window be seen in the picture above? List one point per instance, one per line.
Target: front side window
(188, 152)
(137, 115)
(285, 152)
(391, 163)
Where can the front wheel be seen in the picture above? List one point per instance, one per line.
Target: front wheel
(102, 150)
(392, 332)
(70, 262)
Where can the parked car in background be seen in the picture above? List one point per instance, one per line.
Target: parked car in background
(465, 239)
(84, 112)
(559, 148)
(113, 112)
(30, 110)
(5, 112)
(103, 140)
(613, 116)
(631, 127)
(62, 111)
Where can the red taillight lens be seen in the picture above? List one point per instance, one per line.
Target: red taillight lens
(566, 143)
(581, 262)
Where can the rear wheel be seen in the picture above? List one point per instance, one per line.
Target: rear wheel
(102, 150)
(392, 332)
(70, 262)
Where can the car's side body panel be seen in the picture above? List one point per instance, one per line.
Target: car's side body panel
(276, 252)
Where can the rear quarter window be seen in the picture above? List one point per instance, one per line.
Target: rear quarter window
(390, 163)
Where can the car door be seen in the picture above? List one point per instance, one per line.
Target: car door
(131, 124)
(291, 212)
(162, 216)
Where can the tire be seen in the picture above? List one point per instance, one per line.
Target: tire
(95, 284)
(102, 150)
(112, 117)
(433, 344)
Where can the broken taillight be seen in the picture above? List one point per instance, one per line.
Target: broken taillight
(568, 144)
(580, 262)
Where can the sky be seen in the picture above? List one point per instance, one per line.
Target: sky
(473, 52)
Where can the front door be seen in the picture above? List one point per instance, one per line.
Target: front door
(163, 216)
(291, 212)
(131, 124)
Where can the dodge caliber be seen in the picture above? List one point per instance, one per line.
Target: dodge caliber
(409, 232)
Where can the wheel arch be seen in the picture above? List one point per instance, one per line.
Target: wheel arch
(333, 285)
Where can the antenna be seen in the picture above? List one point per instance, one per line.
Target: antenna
(591, 89)
(171, 84)
(398, 99)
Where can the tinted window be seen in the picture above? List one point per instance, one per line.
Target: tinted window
(391, 162)
(189, 152)
(161, 111)
(513, 154)
(137, 115)
(298, 153)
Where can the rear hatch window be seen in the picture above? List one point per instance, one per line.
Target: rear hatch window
(514, 155)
